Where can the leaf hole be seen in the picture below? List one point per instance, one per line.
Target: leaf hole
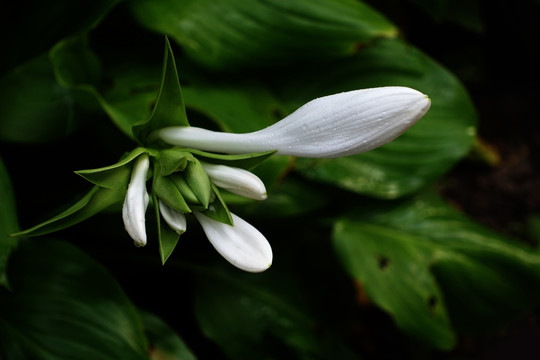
(383, 262)
(433, 302)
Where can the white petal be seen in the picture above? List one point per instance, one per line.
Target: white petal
(337, 125)
(242, 245)
(175, 219)
(236, 180)
(136, 202)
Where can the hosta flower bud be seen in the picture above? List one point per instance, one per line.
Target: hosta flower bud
(242, 244)
(236, 180)
(175, 219)
(136, 202)
(336, 125)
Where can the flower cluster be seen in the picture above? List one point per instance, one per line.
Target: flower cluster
(192, 188)
(189, 167)
(332, 126)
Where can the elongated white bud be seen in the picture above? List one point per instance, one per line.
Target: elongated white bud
(175, 219)
(136, 202)
(242, 244)
(236, 180)
(332, 126)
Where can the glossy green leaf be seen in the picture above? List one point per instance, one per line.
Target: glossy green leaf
(260, 316)
(169, 109)
(115, 176)
(8, 222)
(50, 23)
(96, 200)
(420, 260)
(167, 237)
(129, 97)
(74, 63)
(289, 197)
(34, 108)
(64, 305)
(198, 181)
(233, 103)
(165, 344)
(419, 156)
(218, 209)
(228, 34)
(132, 96)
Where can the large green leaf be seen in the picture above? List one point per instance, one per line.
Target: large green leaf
(63, 305)
(424, 152)
(231, 34)
(35, 26)
(421, 260)
(235, 105)
(34, 108)
(130, 96)
(8, 222)
(74, 63)
(164, 343)
(260, 317)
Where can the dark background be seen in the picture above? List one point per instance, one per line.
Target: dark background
(491, 46)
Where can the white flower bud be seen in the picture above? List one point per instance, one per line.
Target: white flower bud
(175, 219)
(242, 244)
(136, 201)
(236, 180)
(332, 126)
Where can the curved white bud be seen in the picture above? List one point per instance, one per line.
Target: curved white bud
(332, 126)
(236, 180)
(175, 219)
(242, 244)
(136, 201)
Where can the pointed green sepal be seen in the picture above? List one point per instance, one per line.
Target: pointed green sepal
(96, 200)
(169, 109)
(115, 176)
(218, 209)
(173, 160)
(168, 238)
(198, 181)
(181, 184)
(243, 161)
(166, 191)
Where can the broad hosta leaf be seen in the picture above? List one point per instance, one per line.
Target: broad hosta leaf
(51, 23)
(63, 305)
(96, 200)
(423, 152)
(229, 34)
(164, 343)
(420, 260)
(235, 105)
(169, 109)
(34, 108)
(8, 222)
(259, 317)
(74, 63)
